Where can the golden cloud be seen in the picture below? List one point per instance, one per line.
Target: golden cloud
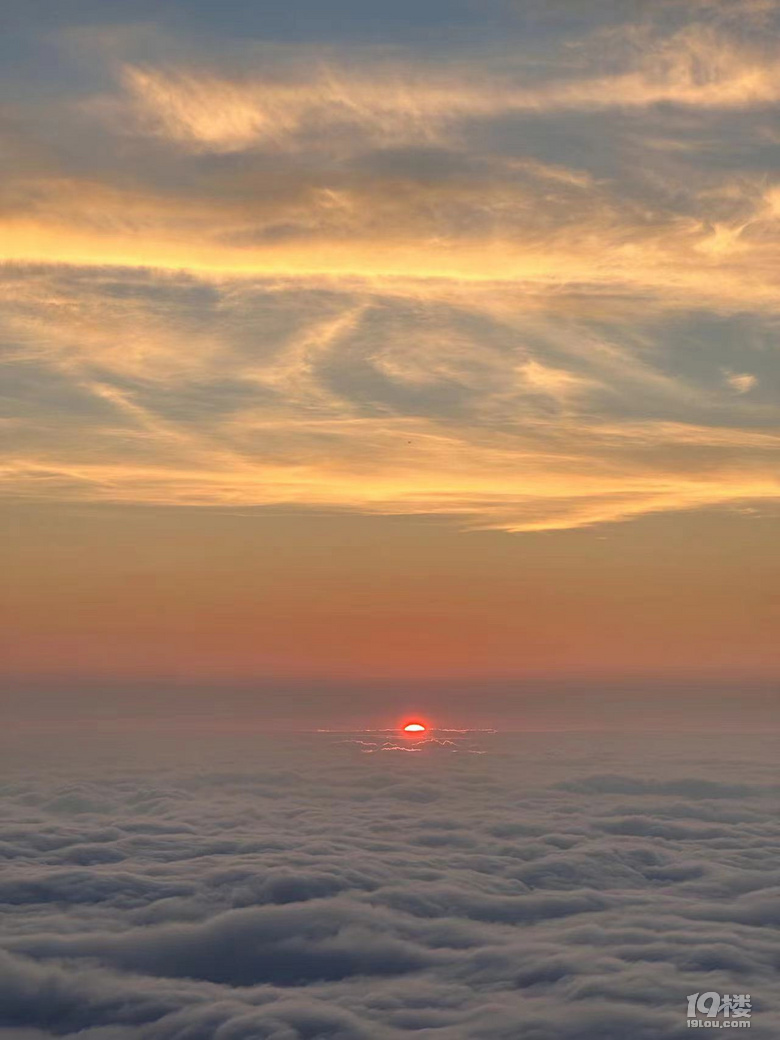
(483, 336)
(364, 402)
(391, 103)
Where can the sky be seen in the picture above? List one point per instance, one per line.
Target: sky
(360, 359)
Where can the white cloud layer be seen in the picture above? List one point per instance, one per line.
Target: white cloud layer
(300, 888)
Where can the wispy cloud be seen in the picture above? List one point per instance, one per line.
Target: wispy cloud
(390, 102)
(742, 382)
(368, 403)
(492, 284)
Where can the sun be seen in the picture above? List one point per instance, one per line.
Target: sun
(414, 727)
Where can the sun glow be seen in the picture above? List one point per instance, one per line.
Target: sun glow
(414, 727)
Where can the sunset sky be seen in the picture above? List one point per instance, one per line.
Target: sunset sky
(365, 357)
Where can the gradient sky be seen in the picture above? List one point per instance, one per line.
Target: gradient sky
(349, 350)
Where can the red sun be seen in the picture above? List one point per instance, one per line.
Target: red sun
(414, 727)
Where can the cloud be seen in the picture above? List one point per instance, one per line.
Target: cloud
(391, 102)
(610, 784)
(742, 382)
(394, 167)
(286, 946)
(378, 280)
(358, 398)
(312, 896)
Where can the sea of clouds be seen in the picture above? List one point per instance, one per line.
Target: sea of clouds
(366, 887)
